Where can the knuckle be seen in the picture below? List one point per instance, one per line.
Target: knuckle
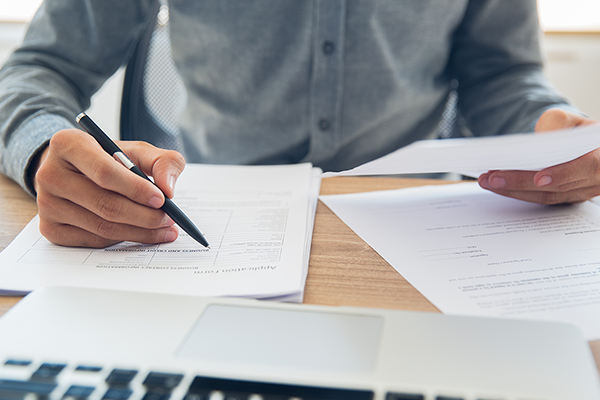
(44, 202)
(98, 242)
(49, 231)
(566, 187)
(552, 198)
(106, 229)
(176, 157)
(109, 207)
(156, 219)
(63, 141)
(103, 172)
(60, 139)
(561, 115)
(46, 176)
(139, 190)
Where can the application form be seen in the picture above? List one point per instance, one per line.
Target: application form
(258, 221)
(472, 252)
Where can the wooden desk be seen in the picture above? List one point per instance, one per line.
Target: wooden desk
(343, 270)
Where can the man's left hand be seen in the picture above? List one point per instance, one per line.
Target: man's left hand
(572, 182)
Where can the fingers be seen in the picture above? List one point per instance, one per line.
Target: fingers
(76, 151)
(572, 182)
(541, 196)
(86, 198)
(106, 204)
(71, 225)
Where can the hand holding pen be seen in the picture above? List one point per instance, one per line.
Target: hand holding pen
(87, 199)
(168, 206)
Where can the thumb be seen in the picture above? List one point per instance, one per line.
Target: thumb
(164, 166)
(556, 118)
(166, 170)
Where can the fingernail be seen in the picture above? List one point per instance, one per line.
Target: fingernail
(170, 235)
(498, 182)
(171, 182)
(544, 180)
(155, 202)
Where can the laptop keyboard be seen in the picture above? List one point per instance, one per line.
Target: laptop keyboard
(82, 382)
(22, 379)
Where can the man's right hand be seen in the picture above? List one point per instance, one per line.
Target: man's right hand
(88, 199)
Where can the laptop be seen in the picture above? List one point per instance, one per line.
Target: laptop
(77, 343)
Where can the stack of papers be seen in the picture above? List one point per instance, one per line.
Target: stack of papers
(257, 219)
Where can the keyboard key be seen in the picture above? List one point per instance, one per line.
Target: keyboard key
(76, 392)
(18, 363)
(10, 388)
(117, 394)
(156, 396)
(120, 377)
(201, 384)
(197, 395)
(159, 381)
(448, 398)
(404, 396)
(47, 371)
(88, 368)
(236, 395)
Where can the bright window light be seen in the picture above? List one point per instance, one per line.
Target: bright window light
(555, 15)
(570, 15)
(18, 10)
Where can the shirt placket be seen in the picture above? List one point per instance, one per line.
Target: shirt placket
(327, 79)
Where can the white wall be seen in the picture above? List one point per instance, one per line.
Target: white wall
(573, 65)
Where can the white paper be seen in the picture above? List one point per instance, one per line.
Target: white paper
(472, 252)
(474, 156)
(258, 221)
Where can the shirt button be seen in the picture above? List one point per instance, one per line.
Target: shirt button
(328, 47)
(324, 124)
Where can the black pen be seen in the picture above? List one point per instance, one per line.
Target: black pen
(111, 148)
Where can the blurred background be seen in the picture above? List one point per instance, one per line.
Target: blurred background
(571, 37)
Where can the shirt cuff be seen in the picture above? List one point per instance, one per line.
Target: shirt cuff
(30, 138)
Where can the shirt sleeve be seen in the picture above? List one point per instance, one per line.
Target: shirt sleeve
(70, 49)
(497, 60)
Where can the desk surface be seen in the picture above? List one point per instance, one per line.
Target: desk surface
(343, 269)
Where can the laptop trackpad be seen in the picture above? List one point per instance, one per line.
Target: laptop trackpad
(286, 338)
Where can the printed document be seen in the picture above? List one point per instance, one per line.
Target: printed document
(472, 252)
(257, 219)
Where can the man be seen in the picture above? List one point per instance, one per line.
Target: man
(333, 82)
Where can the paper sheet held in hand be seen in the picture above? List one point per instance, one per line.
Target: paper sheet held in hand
(474, 156)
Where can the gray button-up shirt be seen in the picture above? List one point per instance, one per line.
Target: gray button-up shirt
(333, 82)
